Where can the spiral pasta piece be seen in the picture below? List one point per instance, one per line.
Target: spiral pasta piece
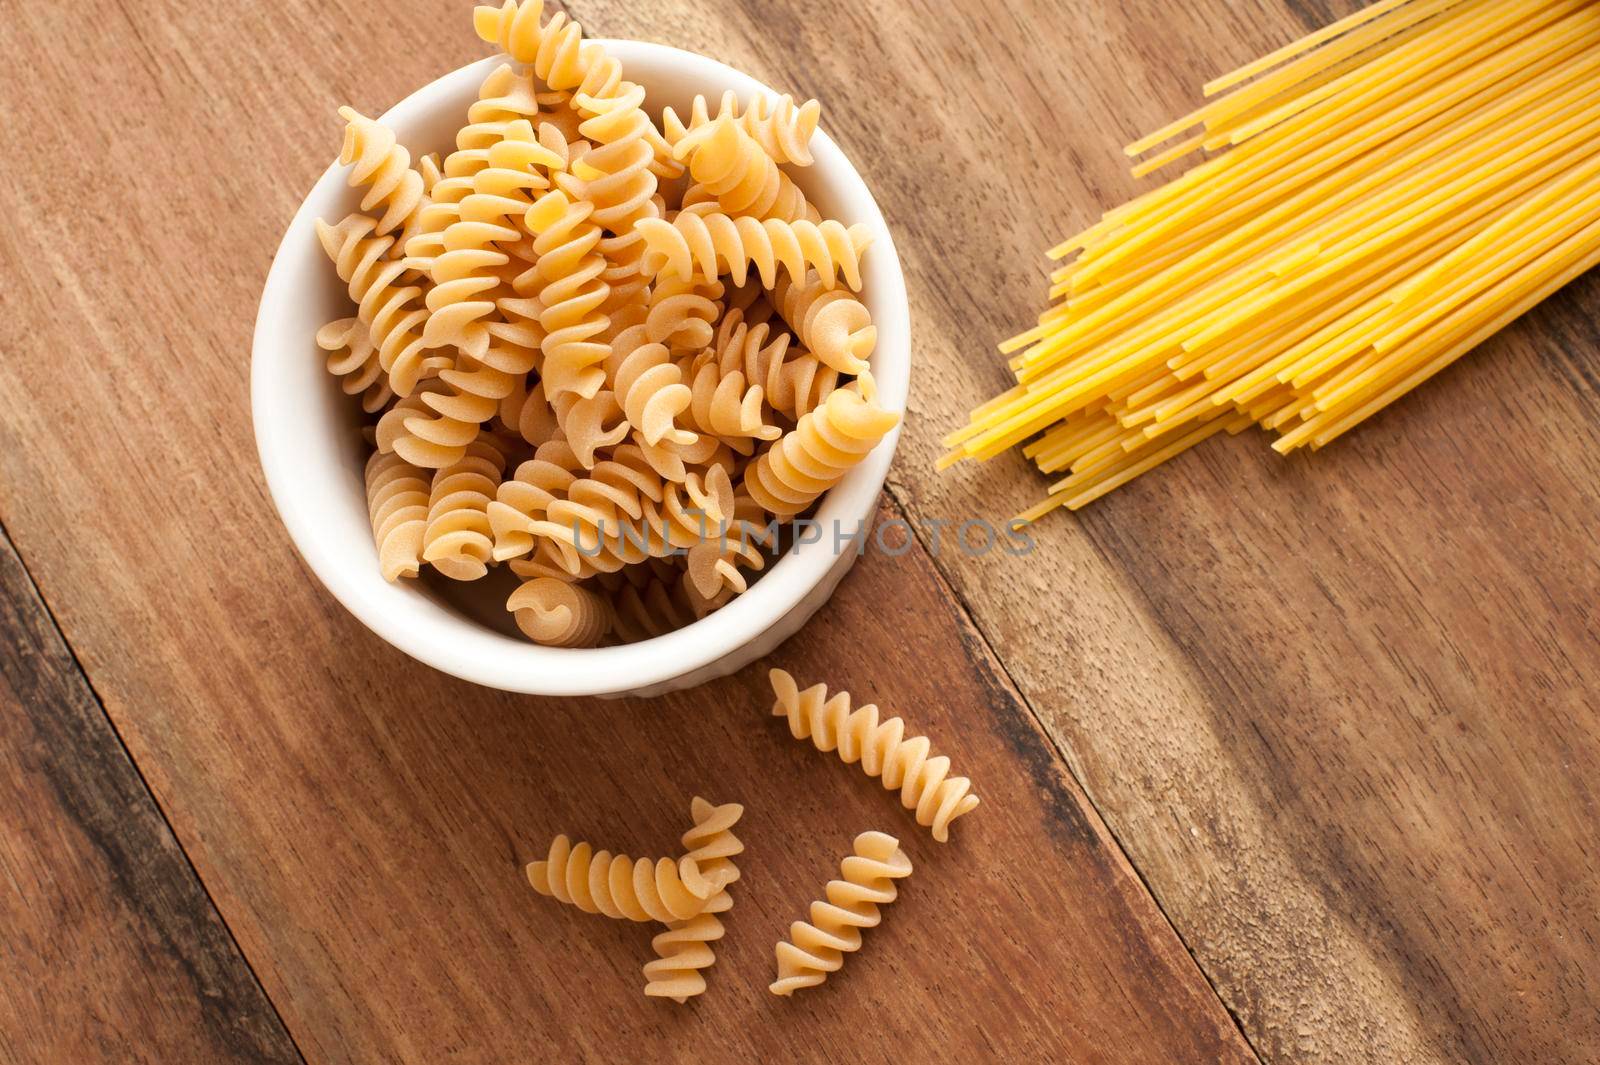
(778, 124)
(730, 166)
(526, 412)
(383, 165)
(714, 566)
(556, 613)
(657, 606)
(503, 98)
(684, 953)
(523, 500)
(392, 312)
(555, 50)
(353, 359)
(816, 948)
(579, 71)
(470, 394)
(459, 541)
(683, 313)
(831, 323)
(572, 294)
(593, 522)
(722, 405)
(793, 381)
(650, 385)
(590, 425)
(715, 244)
(466, 272)
(816, 454)
(684, 949)
(617, 179)
(397, 503)
(882, 748)
(619, 886)
(615, 115)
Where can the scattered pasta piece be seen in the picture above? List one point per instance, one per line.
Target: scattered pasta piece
(600, 882)
(816, 948)
(684, 949)
(882, 747)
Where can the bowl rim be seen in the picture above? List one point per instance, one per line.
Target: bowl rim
(525, 667)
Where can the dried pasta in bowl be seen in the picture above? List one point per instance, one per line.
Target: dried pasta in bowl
(606, 352)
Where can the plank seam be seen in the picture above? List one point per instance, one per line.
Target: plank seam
(1055, 744)
(83, 674)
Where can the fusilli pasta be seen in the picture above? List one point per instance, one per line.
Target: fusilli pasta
(622, 887)
(459, 541)
(816, 454)
(558, 614)
(353, 359)
(816, 948)
(390, 310)
(397, 502)
(600, 350)
(684, 949)
(650, 385)
(831, 323)
(571, 294)
(739, 175)
(384, 166)
(782, 128)
(712, 244)
(882, 748)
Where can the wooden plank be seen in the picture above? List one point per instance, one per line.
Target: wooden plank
(111, 950)
(362, 821)
(1333, 706)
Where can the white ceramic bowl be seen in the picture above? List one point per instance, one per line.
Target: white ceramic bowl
(308, 434)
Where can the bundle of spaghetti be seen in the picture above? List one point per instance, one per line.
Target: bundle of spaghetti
(1385, 194)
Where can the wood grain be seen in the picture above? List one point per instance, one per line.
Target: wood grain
(1332, 707)
(111, 950)
(361, 821)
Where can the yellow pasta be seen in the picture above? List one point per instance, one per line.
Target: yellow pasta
(683, 313)
(867, 882)
(568, 336)
(392, 311)
(884, 750)
(725, 406)
(459, 540)
(794, 381)
(651, 386)
(834, 325)
(1383, 190)
(572, 294)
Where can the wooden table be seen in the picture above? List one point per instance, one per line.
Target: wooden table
(1290, 760)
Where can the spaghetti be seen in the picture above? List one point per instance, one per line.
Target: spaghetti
(1386, 193)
